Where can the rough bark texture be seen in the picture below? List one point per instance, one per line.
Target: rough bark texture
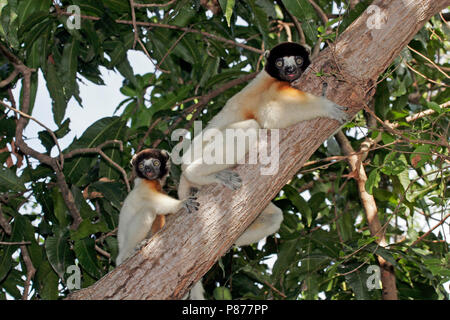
(178, 256)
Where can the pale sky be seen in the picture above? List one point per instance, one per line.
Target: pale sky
(98, 102)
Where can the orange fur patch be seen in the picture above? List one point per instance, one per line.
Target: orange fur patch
(249, 114)
(160, 220)
(154, 185)
(158, 224)
(286, 89)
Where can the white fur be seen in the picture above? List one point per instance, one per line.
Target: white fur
(273, 108)
(274, 105)
(138, 212)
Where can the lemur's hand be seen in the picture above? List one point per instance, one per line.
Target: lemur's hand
(335, 111)
(191, 204)
(230, 179)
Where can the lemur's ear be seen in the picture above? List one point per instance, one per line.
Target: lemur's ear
(266, 54)
(308, 48)
(132, 159)
(165, 153)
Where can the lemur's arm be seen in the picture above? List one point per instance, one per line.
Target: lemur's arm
(167, 204)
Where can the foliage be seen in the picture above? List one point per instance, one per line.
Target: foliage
(324, 247)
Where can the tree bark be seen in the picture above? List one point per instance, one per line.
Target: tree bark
(189, 245)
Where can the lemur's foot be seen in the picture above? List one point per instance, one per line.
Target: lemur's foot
(324, 89)
(191, 204)
(230, 179)
(193, 191)
(142, 244)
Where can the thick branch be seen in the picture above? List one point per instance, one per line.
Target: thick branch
(179, 255)
(371, 210)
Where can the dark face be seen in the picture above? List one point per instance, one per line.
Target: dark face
(287, 61)
(151, 164)
(289, 67)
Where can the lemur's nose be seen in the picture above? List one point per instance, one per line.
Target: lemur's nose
(289, 69)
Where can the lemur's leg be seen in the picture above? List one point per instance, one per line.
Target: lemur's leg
(267, 223)
(200, 172)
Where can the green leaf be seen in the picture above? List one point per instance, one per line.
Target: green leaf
(434, 106)
(420, 156)
(298, 201)
(34, 19)
(55, 88)
(373, 180)
(87, 228)
(394, 164)
(90, 7)
(222, 293)
(100, 131)
(69, 66)
(9, 181)
(305, 13)
(5, 261)
(286, 256)
(46, 281)
(357, 280)
(112, 191)
(227, 7)
(58, 251)
(260, 19)
(85, 252)
(27, 9)
(60, 209)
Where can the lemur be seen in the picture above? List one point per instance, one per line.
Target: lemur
(145, 206)
(269, 102)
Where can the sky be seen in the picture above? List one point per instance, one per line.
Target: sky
(98, 102)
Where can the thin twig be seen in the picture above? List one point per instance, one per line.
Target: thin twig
(31, 270)
(10, 78)
(294, 19)
(149, 5)
(52, 134)
(102, 252)
(431, 230)
(172, 27)
(4, 243)
(99, 151)
(274, 289)
(424, 76)
(430, 61)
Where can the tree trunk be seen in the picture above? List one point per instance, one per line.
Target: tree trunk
(178, 256)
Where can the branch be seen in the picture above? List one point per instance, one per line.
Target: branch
(23, 146)
(431, 230)
(297, 24)
(31, 270)
(99, 151)
(10, 78)
(371, 210)
(150, 5)
(172, 27)
(179, 255)
(52, 134)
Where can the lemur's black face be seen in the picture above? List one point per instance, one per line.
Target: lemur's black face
(287, 61)
(151, 164)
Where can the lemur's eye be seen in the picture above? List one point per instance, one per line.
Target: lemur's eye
(279, 63)
(141, 166)
(156, 163)
(299, 61)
